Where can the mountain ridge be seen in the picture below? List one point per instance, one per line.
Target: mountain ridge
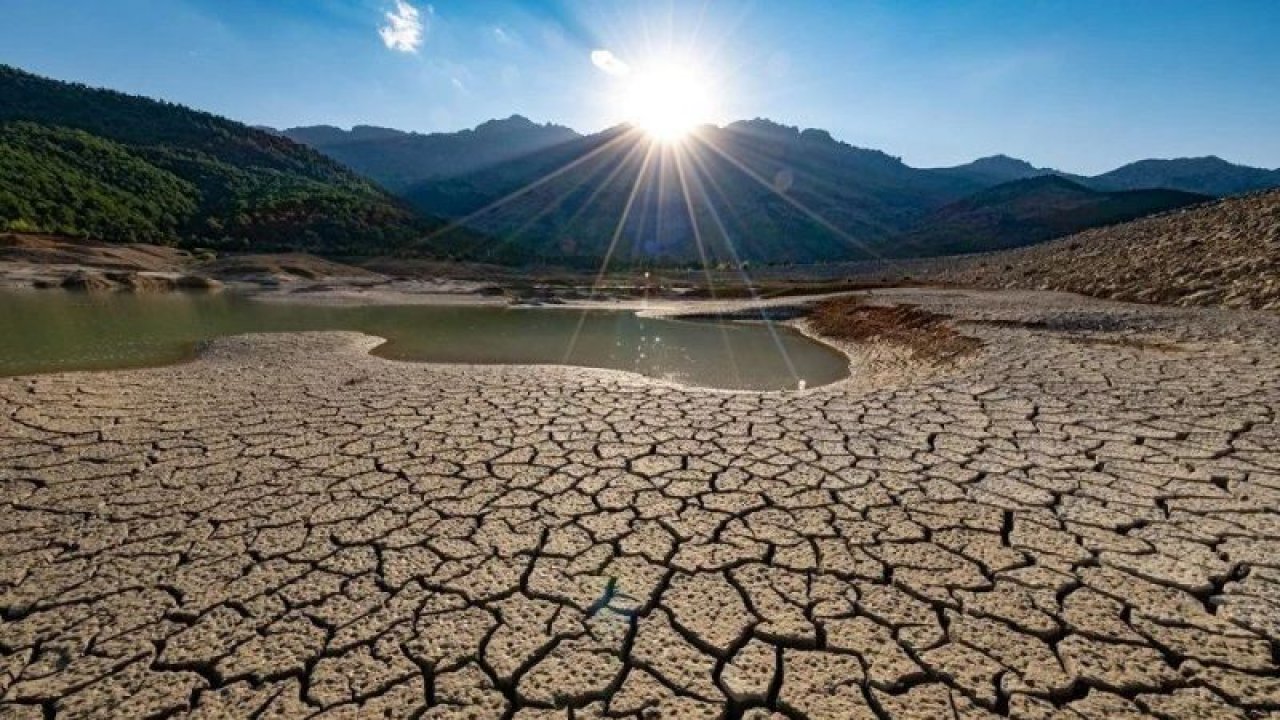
(1209, 175)
(397, 159)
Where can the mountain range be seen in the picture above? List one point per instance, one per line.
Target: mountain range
(752, 191)
(756, 191)
(759, 191)
(397, 159)
(97, 163)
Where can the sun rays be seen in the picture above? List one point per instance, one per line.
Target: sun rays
(668, 101)
(658, 192)
(656, 185)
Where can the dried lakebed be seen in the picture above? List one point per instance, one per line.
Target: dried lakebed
(1077, 521)
(55, 330)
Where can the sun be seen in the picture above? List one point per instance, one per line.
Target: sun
(667, 101)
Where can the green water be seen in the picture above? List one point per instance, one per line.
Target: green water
(49, 331)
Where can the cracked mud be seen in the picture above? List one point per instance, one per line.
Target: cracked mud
(1056, 527)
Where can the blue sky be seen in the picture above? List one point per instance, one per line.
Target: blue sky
(1082, 85)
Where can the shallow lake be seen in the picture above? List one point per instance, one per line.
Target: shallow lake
(52, 330)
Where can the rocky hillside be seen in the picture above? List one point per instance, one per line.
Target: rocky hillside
(1225, 253)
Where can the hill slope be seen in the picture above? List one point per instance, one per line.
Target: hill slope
(995, 170)
(1207, 175)
(82, 161)
(1029, 211)
(397, 159)
(1224, 253)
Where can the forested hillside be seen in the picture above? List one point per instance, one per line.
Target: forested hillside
(82, 161)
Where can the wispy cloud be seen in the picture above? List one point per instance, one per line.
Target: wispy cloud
(404, 28)
(610, 63)
(503, 35)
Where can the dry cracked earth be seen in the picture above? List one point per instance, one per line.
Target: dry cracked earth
(1080, 521)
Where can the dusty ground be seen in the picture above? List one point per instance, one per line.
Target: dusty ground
(1077, 521)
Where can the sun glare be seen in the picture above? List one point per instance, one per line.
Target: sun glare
(667, 101)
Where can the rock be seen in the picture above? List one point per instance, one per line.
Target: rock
(197, 282)
(94, 281)
(137, 282)
(87, 281)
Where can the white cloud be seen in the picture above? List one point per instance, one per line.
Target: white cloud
(503, 36)
(608, 62)
(404, 28)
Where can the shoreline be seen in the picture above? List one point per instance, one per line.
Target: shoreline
(870, 363)
(688, 311)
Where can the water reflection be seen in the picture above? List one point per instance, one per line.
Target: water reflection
(53, 330)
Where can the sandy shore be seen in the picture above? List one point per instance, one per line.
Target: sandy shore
(1079, 521)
